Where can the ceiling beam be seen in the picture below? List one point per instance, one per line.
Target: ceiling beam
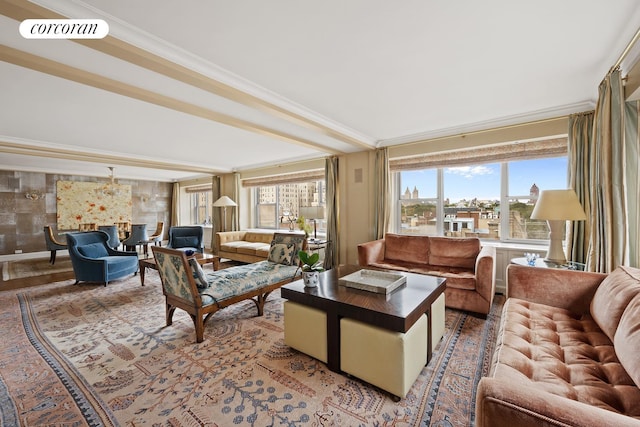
(44, 65)
(23, 9)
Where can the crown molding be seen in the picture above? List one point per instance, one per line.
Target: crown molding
(225, 83)
(509, 121)
(28, 147)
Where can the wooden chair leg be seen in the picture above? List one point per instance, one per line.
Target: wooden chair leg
(169, 314)
(198, 321)
(52, 258)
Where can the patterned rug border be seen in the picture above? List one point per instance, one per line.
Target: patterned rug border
(87, 402)
(96, 411)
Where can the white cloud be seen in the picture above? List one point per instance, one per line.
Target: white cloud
(469, 171)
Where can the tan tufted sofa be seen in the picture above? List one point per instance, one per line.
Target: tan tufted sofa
(567, 352)
(244, 246)
(469, 267)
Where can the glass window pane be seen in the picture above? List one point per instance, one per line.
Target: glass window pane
(526, 179)
(278, 206)
(418, 217)
(419, 184)
(472, 201)
(543, 174)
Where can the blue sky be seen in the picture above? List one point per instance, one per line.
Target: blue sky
(483, 181)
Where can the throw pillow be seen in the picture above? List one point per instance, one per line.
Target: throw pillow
(198, 274)
(93, 250)
(281, 253)
(185, 242)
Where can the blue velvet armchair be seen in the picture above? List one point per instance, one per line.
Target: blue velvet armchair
(94, 261)
(186, 237)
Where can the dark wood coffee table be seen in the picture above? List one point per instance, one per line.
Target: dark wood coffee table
(397, 311)
(202, 259)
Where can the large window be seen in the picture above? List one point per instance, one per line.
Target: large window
(200, 203)
(490, 201)
(280, 206)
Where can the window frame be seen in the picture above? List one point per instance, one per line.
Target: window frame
(505, 197)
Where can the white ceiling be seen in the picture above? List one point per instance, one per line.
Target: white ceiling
(325, 77)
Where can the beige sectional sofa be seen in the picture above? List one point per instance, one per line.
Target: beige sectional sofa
(468, 266)
(567, 351)
(244, 246)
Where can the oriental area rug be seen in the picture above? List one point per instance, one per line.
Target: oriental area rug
(90, 355)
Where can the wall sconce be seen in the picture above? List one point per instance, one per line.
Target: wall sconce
(33, 195)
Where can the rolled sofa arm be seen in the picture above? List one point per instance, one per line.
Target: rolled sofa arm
(370, 252)
(503, 403)
(568, 289)
(486, 273)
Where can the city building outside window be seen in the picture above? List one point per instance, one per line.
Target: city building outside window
(489, 201)
(280, 206)
(201, 205)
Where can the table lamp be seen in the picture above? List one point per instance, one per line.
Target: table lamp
(557, 207)
(313, 213)
(224, 202)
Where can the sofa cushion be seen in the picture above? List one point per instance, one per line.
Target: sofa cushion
(627, 340)
(613, 296)
(281, 253)
(232, 246)
(93, 250)
(258, 237)
(250, 248)
(454, 252)
(411, 249)
(121, 264)
(557, 351)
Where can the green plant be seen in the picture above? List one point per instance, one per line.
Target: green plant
(310, 262)
(302, 225)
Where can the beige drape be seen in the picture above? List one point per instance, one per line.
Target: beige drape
(580, 145)
(608, 228)
(381, 193)
(332, 256)
(175, 205)
(216, 215)
(237, 187)
(632, 178)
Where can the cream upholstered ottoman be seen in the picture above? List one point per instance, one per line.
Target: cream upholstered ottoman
(305, 329)
(389, 360)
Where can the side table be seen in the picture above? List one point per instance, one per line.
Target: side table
(144, 263)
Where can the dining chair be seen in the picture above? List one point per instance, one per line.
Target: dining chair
(157, 235)
(124, 228)
(52, 243)
(88, 226)
(138, 236)
(112, 231)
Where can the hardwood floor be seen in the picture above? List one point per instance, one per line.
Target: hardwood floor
(35, 281)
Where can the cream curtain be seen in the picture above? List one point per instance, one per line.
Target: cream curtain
(381, 193)
(235, 216)
(580, 144)
(632, 171)
(332, 256)
(175, 205)
(216, 215)
(608, 228)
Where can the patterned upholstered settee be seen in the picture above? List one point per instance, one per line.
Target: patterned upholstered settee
(187, 287)
(567, 351)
